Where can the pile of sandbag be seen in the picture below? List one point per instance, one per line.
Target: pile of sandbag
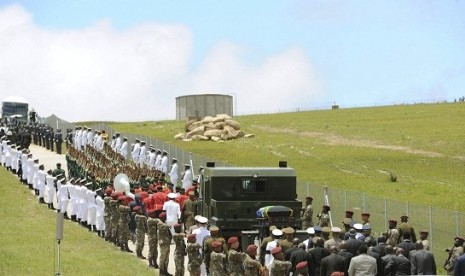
(219, 128)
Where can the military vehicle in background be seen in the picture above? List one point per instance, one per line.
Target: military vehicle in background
(245, 200)
(15, 109)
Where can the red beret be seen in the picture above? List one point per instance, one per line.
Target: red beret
(136, 208)
(177, 225)
(276, 250)
(108, 191)
(232, 240)
(122, 198)
(252, 248)
(151, 213)
(337, 273)
(301, 265)
(191, 237)
(216, 244)
(162, 215)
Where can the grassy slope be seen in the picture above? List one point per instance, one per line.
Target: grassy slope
(351, 149)
(28, 240)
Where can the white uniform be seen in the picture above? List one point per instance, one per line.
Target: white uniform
(100, 207)
(164, 164)
(50, 188)
(14, 159)
(124, 149)
(268, 256)
(152, 157)
(24, 166)
(90, 137)
(63, 197)
(135, 153)
(118, 144)
(41, 178)
(91, 207)
(158, 162)
(200, 234)
(174, 176)
(142, 155)
(84, 138)
(74, 199)
(187, 179)
(82, 203)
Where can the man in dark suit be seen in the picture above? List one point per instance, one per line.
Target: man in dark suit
(380, 247)
(407, 245)
(399, 265)
(346, 255)
(423, 262)
(386, 259)
(353, 244)
(332, 263)
(300, 255)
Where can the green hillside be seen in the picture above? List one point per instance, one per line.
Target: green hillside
(353, 149)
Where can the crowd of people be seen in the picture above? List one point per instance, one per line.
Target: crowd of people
(161, 210)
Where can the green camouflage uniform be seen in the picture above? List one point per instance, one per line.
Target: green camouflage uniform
(208, 249)
(280, 268)
(307, 217)
(194, 259)
(217, 264)
(152, 228)
(141, 229)
(189, 213)
(114, 219)
(235, 261)
(123, 224)
(179, 253)
(251, 266)
(164, 236)
(107, 217)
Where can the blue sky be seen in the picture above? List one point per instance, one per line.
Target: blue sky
(272, 55)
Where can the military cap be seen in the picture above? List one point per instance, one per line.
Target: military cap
(217, 244)
(191, 237)
(172, 195)
(327, 207)
(177, 225)
(83, 180)
(404, 216)
(459, 238)
(174, 159)
(136, 208)
(187, 165)
(326, 229)
(196, 218)
(317, 228)
(122, 198)
(165, 152)
(88, 184)
(125, 138)
(232, 240)
(336, 230)
(142, 142)
(358, 226)
(392, 220)
(311, 230)
(252, 248)
(202, 220)
(151, 213)
(137, 140)
(366, 227)
(366, 214)
(214, 228)
(36, 160)
(288, 230)
(424, 231)
(352, 232)
(308, 197)
(162, 215)
(98, 190)
(272, 227)
(276, 250)
(277, 232)
(301, 265)
(108, 191)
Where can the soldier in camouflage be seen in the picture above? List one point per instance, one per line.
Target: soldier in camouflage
(323, 216)
(207, 245)
(235, 258)
(123, 224)
(307, 216)
(164, 241)
(189, 210)
(114, 212)
(180, 251)
(152, 228)
(141, 229)
(194, 258)
(278, 266)
(252, 267)
(287, 242)
(217, 260)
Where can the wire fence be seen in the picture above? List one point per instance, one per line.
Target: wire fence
(443, 225)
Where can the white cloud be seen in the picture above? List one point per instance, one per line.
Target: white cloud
(99, 73)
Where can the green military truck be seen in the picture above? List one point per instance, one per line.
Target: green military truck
(231, 196)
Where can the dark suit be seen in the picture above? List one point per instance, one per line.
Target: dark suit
(347, 257)
(380, 249)
(423, 263)
(353, 245)
(317, 254)
(459, 268)
(408, 246)
(399, 265)
(379, 262)
(332, 263)
(386, 260)
(300, 255)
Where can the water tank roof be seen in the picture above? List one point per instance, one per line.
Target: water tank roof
(15, 99)
(202, 95)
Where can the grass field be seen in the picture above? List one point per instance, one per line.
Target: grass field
(352, 149)
(28, 246)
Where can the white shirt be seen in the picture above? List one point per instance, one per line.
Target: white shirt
(173, 211)
(124, 149)
(200, 234)
(187, 179)
(174, 173)
(164, 164)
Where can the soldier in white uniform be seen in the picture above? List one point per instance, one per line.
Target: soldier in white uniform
(124, 148)
(41, 178)
(74, 198)
(118, 143)
(142, 154)
(187, 177)
(91, 207)
(174, 175)
(84, 138)
(135, 151)
(100, 209)
(158, 160)
(24, 166)
(152, 157)
(90, 137)
(164, 162)
(50, 189)
(173, 211)
(63, 197)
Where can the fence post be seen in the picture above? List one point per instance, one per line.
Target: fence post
(456, 223)
(364, 202)
(345, 200)
(385, 214)
(430, 209)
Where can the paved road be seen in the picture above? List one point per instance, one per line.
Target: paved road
(49, 159)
